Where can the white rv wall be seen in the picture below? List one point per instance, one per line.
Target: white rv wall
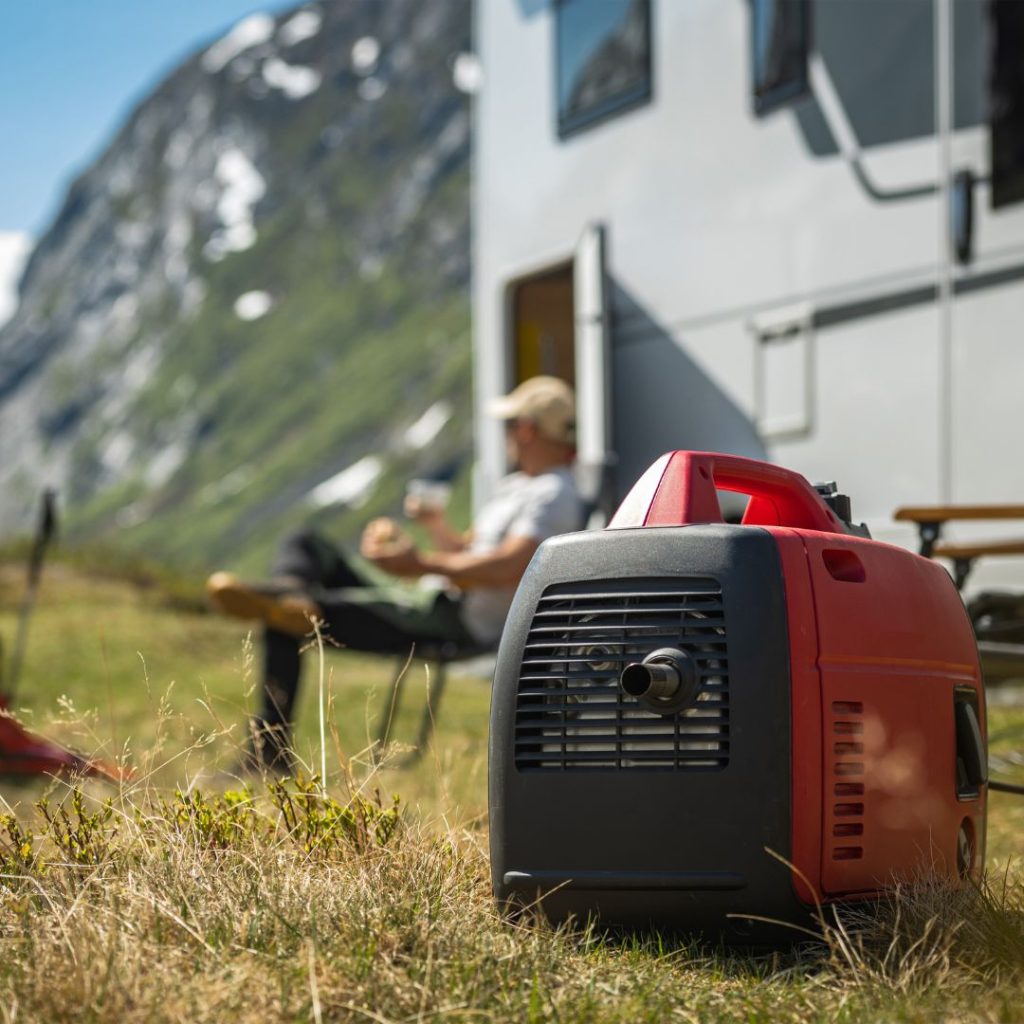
(716, 218)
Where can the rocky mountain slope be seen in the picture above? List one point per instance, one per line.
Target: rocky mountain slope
(252, 310)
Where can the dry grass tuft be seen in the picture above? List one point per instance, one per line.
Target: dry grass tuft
(282, 902)
(915, 940)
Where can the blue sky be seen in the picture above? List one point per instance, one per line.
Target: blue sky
(70, 70)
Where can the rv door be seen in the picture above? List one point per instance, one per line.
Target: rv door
(594, 457)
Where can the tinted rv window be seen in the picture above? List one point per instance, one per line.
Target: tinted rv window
(779, 42)
(1007, 103)
(603, 59)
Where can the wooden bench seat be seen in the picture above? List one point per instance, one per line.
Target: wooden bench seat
(999, 660)
(963, 555)
(979, 549)
(931, 518)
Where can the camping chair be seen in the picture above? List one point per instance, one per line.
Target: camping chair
(441, 656)
(997, 617)
(596, 488)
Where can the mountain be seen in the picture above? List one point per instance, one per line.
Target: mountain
(252, 309)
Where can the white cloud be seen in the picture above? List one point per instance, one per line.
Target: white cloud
(253, 305)
(249, 32)
(351, 486)
(15, 247)
(303, 25)
(294, 80)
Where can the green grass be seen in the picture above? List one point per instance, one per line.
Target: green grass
(135, 903)
(124, 661)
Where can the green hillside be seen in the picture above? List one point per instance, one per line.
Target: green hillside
(252, 290)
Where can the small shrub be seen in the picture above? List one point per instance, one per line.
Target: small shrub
(17, 851)
(82, 837)
(321, 824)
(217, 822)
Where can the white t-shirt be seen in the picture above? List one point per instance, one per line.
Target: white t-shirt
(522, 506)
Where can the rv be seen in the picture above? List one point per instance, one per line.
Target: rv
(787, 229)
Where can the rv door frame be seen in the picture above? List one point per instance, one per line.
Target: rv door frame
(595, 478)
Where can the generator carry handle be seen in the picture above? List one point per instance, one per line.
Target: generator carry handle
(680, 489)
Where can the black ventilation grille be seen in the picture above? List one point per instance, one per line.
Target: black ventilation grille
(570, 710)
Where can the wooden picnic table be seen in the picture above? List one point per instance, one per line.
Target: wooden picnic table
(930, 520)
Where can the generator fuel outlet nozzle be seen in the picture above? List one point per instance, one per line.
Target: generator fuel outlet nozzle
(666, 680)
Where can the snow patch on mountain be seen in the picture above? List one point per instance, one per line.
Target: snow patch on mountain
(352, 486)
(253, 305)
(116, 454)
(249, 32)
(166, 463)
(372, 88)
(14, 249)
(467, 73)
(429, 425)
(228, 486)
(301, 27)
(294, 80)
(243, 187)
(365, 54)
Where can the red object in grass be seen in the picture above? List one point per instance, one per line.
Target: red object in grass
(24, 754)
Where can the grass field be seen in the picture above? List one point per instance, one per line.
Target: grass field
(164, 900)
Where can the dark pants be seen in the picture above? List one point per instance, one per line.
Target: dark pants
(360, 614)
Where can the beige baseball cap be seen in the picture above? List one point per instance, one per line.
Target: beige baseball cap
(547, 401)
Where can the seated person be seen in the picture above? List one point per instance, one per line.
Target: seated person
(312, 578)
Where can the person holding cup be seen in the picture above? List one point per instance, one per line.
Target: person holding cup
(478, 571)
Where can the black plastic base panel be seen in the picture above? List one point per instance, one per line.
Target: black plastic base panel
(684, 845)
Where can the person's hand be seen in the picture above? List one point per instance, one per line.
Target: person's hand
(390, 548)
(421, 511)
(380, 531)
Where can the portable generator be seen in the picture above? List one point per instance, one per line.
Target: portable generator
(696, 725)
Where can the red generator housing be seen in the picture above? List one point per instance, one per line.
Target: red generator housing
(696, 724)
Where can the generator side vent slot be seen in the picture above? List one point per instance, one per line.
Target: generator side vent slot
(571, 713)
(847, 817)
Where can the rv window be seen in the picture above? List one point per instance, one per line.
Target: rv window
(1007, 104)
(603, 59)
(780, 36)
